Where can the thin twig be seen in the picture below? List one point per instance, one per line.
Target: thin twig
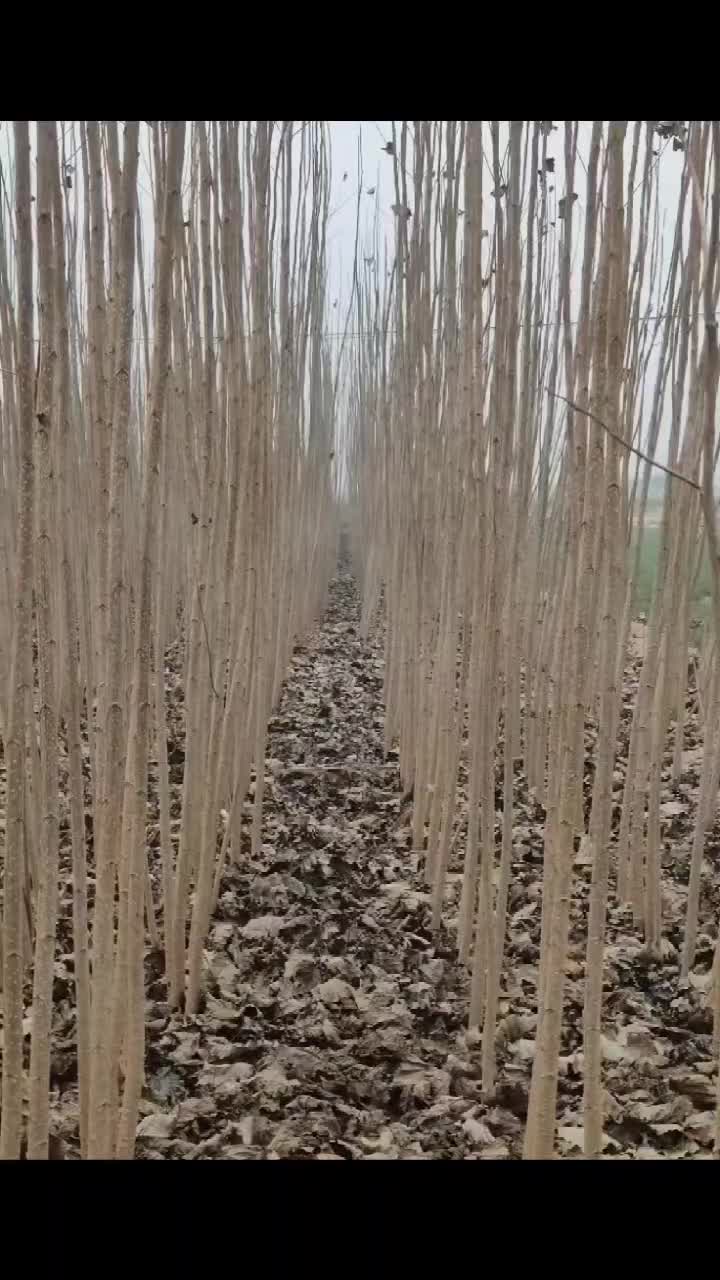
(653, 463)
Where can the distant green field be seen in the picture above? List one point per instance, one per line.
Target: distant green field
(648, 568)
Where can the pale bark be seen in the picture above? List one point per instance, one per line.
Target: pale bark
(12, 1061)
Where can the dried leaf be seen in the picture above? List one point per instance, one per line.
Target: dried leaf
(157, 1125)
(477, 1131)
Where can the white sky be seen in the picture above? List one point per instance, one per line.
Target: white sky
(371, 135)
(350, 138)
(347, 136)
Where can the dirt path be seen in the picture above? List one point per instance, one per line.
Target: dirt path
(332, 1016)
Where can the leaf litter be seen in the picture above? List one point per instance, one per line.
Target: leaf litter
(334, 1021)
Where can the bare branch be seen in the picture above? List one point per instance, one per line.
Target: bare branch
(677, 475)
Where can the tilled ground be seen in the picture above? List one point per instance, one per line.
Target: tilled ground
(334, 1021)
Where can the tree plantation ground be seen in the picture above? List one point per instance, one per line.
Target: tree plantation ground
(334, 1018)
(359, 639)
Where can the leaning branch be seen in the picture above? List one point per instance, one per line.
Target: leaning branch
(653, 463)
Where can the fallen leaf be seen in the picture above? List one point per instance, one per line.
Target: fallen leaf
(158, 1125)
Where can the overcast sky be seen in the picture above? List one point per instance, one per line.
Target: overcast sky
(367, 137)
(371, 135)
(377, 168)
(346, 135)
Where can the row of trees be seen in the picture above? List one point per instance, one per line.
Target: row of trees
(166, 475)
(528, 362)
